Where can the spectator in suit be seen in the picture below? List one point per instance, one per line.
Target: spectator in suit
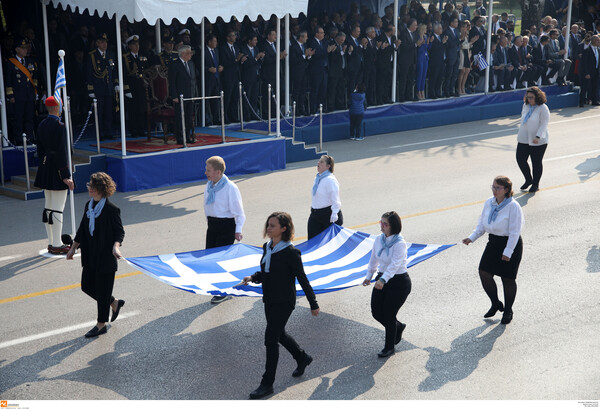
(231, 58)
(250, 75)
(317, 69)
(589, 73)
(354, 60)
(407, 60)
(503, 67)
(272, 56)
(479, 46)
(559, 63)
(541, 58)
(335, 81)
(436, 61)
(369, 66)
(212, 78)
(300, 56)
(479, 7)
(447, 14)
(533, 38)
(182, 81)
(387, 45)
(452, 58)
(524, 70)
(466, 9)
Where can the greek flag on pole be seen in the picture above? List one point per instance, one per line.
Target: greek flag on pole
(61, 82)
(335, 259)
(480, 61)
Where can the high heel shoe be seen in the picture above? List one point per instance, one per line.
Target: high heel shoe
(492, 311)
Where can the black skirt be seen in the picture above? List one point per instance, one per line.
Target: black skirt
(491, 260)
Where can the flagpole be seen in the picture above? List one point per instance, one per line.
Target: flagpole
(486, 87)
(568, 25)
(61, 54)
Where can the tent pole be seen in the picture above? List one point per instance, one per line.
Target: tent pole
(3, 108)
(568, 24)
(158, 37)
(277, 85)
(488, 48)
(395, 64)
(287, 63)
(203, 74)
(45, 18)
(121, 86)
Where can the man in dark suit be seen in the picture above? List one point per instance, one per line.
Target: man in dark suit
(135, 91)
(317, 69)
(300, 55)
(272, 56)
(212, 78)
(231, 58)
(524, 70)
(506, 71)
(102, 83)
(335, 80)
(452, 48)
(436, 61)
(541, 58)
(182, 81)
(354, 60)
(250, 75)
(387, 46)
(556, 55)
(589, 72)
(407, 60)
(479, 46)
(369, 66)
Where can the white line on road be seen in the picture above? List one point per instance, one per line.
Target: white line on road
(59, 331)
(9, 257)
(572, 155)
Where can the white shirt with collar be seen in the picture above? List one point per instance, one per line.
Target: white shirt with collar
(389, 264)
(536, 125)
(509, 223)
(328, 194)
(227, 204)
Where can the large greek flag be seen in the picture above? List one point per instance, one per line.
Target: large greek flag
(61, 82)
(335, 259)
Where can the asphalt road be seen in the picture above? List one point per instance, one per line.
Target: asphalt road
(170, 344)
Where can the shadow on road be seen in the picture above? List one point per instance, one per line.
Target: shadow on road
(593, 260)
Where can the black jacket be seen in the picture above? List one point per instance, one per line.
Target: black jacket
(180, 82)
(51, 140)
(279, 285)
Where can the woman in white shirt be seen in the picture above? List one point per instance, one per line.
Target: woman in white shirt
(325, 204)
(392, 283)
(502, 218)
(533, 137)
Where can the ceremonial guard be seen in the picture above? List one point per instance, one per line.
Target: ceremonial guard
(135, 91)
(102, 83)
(22, 90)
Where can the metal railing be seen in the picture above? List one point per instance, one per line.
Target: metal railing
(181, 102)
(26, 162)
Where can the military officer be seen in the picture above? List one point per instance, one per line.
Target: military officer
(22, 90)
(102, 83)
(135, 92)
(167, 55)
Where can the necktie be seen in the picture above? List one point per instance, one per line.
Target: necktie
(232, 51)
(274, 49)
(504, 52)
(187, 67)
(252, 51)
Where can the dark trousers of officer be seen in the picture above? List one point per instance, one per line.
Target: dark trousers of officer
(299, 95)
(524, 151)
(451, 75)
(318, 91)
(231, 94)
(214, 104)
(384, 85)
(220, 232)
(386, 303)
(99, 285)
(319, 220)
(188, 107)
(104, 115)
(24, 111)
(277, 316)
(138, 123)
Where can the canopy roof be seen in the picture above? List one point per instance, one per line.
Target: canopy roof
(167, 10)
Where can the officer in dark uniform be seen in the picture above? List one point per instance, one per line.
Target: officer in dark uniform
(135, 92)
(167, 55)
(22, 90)
(102, 83)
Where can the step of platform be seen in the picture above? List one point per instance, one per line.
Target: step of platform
(299, 151)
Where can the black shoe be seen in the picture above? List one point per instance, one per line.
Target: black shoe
(261, 392)
(492, 311)
(94, 332)
(386, 352)
(525, 186)
(595, 104)
(507, 317)
(399, 333)
(115, 314)
(299, 371)
(534, 189)
(218, 299)
(581, 105)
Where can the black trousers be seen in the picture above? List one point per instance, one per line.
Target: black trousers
(436, 76)
(335, 93)
(371, 84)
(104, 115)
(318, 220)
(99, 285)
(406, 78)
(24, 113)
(356, 125)
(524, 151)
(451, 75)
(386, 303)
(188, 107)
(384, 85)
(220, 232)
(589, 89)
(277, 316)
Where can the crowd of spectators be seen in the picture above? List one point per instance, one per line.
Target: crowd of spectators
(330, 54)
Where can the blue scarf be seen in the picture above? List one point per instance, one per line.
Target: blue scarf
(318, 179)
(528, 114)
(92, 213)
(497, 207)
(388, 245)
(278, 247)
(213, 188)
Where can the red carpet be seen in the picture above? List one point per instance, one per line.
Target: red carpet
(157, 144)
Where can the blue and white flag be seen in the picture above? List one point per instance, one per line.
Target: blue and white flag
(335, 259)
(61, 82)
(480, 61)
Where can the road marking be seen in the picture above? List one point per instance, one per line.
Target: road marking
(9, 257)
(59, 331)
(427, 212)
(572, 155)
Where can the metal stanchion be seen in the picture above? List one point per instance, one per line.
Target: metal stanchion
(70, 124)
(269, 110)
(223, 115)
(1, 159)
(241, 107)
(321, 127)
(26, 162)
(183, 131)
(294, 121)
(97, 125)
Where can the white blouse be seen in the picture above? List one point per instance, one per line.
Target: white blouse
(536, 125)
(227, 204)
(388, 264)
(328, 194)
(509, 222)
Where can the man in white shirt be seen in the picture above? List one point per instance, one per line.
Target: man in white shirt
(223, 209)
